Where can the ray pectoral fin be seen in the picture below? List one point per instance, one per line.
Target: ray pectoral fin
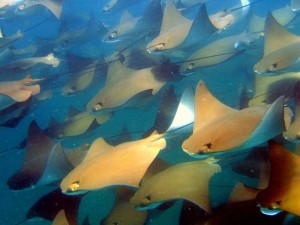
(185, 111)
(271, 125)
(208, 107)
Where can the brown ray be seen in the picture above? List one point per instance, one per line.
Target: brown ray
(218, 127)
(106, 165)
(283, 189)
(43, 164)
(189, 181)
(20, 90)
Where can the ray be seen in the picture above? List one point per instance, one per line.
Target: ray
(55, 6)
(293, 132)
(269, 88)
(174, 29)
(51, 204)
(135, 27)
(40, 166)
(20, 90)
(189, 181)
(219, 128)
(282, 192)
(241, 193)
(282, 15)
(79, 81)
(76, 155)
(217, 51)
(243, 213)
(106, 165)
(77, 124)
(281, 50)
(123, 211)
(30, 62)
(131, 83)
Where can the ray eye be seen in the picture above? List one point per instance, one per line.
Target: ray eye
(275, 205)
(208, 145)
(74, 186)
(273, 67)
(21, 7)
(148, 198)
(190, 66)
(98, 106)
(113, 35)
(72, 90)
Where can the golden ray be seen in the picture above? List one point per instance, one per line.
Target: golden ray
(218, 127)
(283, 189)
(123, 83)
(189, 181)
(176, 30)
(106, 165)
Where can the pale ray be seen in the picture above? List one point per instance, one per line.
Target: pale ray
(281, 50)
(217, 51)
